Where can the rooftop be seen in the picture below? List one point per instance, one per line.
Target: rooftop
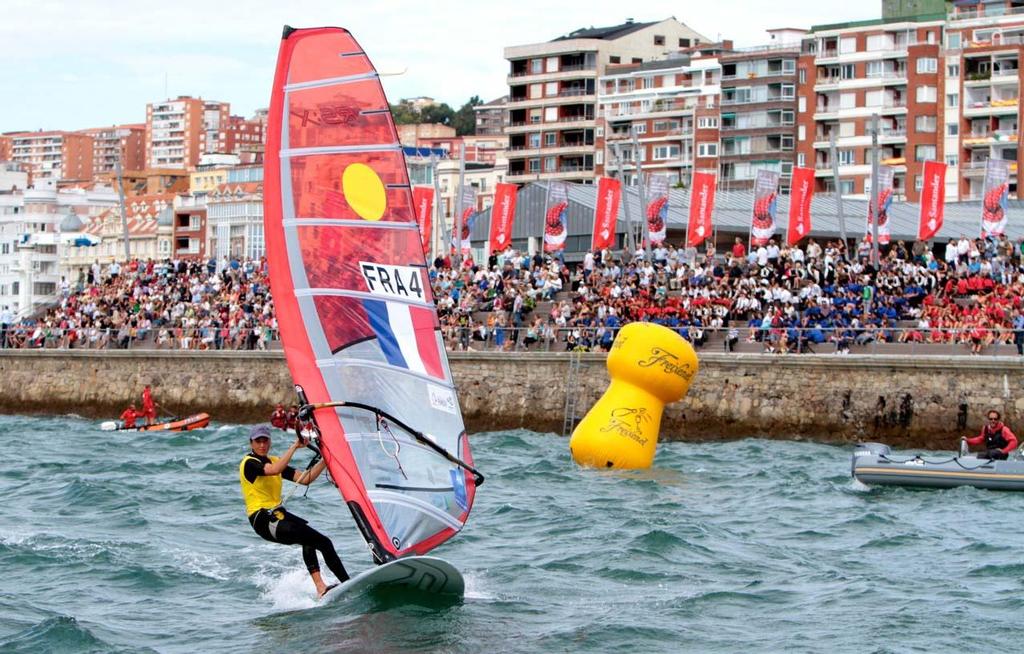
(605, 33)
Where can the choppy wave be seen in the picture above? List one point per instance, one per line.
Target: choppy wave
(140, 544)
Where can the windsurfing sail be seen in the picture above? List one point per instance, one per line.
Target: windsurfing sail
(353, 299)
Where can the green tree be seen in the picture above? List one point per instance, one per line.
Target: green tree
(437, 113)
(465, 118)
(405, 114)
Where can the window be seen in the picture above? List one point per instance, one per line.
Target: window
(707, 149)
(918, 182)
(846, 187)
(659, 39)
(930, 36)
(549, 165)
(801, 132)
(684, 43)
(801, 159)
(874, 98)
(952, 99)
(847, 71)
(788, 66)
(952, 160)
(535, 140)
(953, 71)
(640, 128)
(636, 60)
(535, 115)
(599, 132)
(788, 91)
(924, 153)
(614, 59)
(599, 157)
(927, 64)
(952, 129)
(551, 89)
(663, 152)
(707, 122)
(875, 69)
(666, 125)
(802, 76)
(534, 165)
(550, 139)
(926, 94)
(787, 141)
(788, 117)
(552, 64)
(953, 40)
(536, 66)
(847, 100)
(924, 124)
(550, 114)
(847, 45)
(801, 104)
(846, 157)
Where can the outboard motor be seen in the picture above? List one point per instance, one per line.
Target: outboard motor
(868, 449)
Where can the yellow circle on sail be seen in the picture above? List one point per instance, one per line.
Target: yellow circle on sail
(364, 191)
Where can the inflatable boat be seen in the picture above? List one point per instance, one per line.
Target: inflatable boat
(875, 465)
(195, 421)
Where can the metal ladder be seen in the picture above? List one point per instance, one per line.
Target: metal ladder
(572, 380)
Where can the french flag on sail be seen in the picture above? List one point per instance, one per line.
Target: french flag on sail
(406, 336)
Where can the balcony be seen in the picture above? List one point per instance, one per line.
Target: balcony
(983, 11)
(566, 72)
(1004, 107)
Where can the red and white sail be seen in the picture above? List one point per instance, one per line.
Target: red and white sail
(353, 297)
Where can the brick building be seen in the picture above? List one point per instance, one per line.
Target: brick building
(54, 156)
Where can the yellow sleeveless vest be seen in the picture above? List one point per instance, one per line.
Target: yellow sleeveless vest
(264, 493)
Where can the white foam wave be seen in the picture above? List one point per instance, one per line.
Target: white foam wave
(200, 564)
(290, 590)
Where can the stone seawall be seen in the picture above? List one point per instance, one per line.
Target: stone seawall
(906, 401)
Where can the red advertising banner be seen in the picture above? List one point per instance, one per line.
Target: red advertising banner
(606, 211)
(423, 202)
(933, 200)
(503, 212)
(657, 208)
(801, 192)
(702, 205)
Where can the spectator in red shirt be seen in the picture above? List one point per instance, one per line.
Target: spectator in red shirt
(739, 251)
(128, 417)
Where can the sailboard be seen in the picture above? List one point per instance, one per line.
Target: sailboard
(420, 574)
(352, 295)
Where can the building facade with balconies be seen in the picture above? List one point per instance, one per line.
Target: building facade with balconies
(552, 103)
(848, 72)
(491, 117)
(54, 156)
(178, 131)
(984, 52)
(758, 118)
(652, 112)
(117, 143)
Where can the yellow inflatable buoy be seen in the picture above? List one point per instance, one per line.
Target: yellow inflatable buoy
(650, 366)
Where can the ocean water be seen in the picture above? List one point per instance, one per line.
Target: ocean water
(138, 543)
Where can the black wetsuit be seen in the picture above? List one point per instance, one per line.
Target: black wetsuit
(281, 526)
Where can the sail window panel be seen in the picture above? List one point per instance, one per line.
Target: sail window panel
(403, 335)
(379, 262)
(319, 190)
(337, 55)
(353, 113)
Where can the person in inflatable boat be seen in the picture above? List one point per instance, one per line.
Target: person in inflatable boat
(995, 438)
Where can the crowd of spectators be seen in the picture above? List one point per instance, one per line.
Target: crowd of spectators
(171, 304)
(784, 299)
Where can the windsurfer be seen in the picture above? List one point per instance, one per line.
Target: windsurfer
(279, 417)
(128, 417)
(995, 437)
(260, 475)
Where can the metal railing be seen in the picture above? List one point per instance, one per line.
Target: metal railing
(511, 339)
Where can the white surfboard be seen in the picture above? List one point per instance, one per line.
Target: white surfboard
(421, 574)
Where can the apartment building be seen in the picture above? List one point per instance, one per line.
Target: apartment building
(849, 71)
(983, 55)
(54, 157)
(759, 107)
(552, 100)
(124, 143)
(179, 131)
(491, 117)
(663, 114)
(5, 147)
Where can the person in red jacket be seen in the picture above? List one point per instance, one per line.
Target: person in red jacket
(279, 418)
(148, 405)
(128, 417)
(995, 437)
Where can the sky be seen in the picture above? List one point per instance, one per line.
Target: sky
(73, 64)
